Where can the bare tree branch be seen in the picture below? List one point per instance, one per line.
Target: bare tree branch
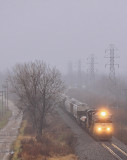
(37, 87)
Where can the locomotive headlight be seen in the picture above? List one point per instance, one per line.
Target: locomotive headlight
(99, 129)
(108, 129)
(103, 114)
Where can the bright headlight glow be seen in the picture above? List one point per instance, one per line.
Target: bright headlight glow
(108, 129)
(103, 114)
(99, 129)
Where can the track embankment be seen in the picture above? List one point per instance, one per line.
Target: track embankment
(87, 148)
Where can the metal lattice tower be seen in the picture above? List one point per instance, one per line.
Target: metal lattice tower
(111, 51)
(79, 73)
(70, 73)
(92, 67)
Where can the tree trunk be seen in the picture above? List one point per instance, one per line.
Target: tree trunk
(39, 136)
(39, 130)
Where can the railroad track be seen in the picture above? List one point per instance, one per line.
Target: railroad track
(113, 147)
(116, 151)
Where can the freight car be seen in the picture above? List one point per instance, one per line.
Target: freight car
(79, 110)
(75, 108)
(69, 105)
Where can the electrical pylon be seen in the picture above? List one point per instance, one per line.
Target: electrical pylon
(70, 73)
(111, 51)
(79, 73)
(92, 67)
(112, 75)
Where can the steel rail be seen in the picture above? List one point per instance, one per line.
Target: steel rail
(111, 151)
(115, 146)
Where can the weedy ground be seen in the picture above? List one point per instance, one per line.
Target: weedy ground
(120, 124)
(57, 142)
(5, 114)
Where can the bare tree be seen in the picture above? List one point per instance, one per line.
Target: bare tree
(38, 87)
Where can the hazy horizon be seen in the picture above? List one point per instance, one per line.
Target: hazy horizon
(62, 31)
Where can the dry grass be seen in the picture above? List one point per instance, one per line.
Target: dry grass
(56, 144)
(68, 157)
(120, 124)
(17, 144)
(121, 132)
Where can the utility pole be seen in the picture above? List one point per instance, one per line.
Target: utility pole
(6, 94)
(2, 95)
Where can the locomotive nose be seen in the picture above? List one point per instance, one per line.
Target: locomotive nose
(102, 129)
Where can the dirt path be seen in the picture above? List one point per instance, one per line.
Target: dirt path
(9, 133)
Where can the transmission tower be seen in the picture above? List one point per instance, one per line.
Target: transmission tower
(111, 51)
(79, 74)
(92, 67)
(70, 73)
(113, 88)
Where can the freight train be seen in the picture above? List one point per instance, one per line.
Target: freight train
(98, 122)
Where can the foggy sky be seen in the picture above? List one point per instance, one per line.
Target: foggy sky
(58, 31)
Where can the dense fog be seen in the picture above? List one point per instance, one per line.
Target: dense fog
(62, 31)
